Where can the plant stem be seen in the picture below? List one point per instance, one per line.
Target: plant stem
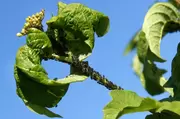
(87, 70)
(61, 59)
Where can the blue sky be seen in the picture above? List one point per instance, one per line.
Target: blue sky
(83, 100)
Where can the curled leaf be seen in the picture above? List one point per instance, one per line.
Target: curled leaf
(78, 24)
(33, 85)
(161, 18)
(151, 77)
(132, 43)
(173, 81)
(37, 39)
(143, 50)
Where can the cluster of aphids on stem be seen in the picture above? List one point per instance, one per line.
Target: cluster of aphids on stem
(87, 70)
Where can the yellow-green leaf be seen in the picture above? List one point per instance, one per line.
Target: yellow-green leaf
(161, 18)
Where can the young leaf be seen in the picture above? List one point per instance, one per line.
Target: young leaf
(151, 77)
(32, 80)
(124, 102)
(170, 106)
(139, 41)
(161, 18)
(65, 44)
(33, 83)
(153, 82)
(61, 6)
(143, 50)
(37, 39)
(79, 24)
(132, 43)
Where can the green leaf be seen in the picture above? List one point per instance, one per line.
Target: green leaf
(149, 74)
(37, 39)
(170, 106)
(175, 67)
(139, 41)
(103, 25)
(33, 84)
(65, 45)
(132, 43)
(161, 18)
(61, 6)
(31, 76)
(78, 24)
(137, 66)
(173, 81)
(147, 104)
(42, 110)
(151, 77)
(143, 50)
(142, 46)
(81, 16)
(36, 108)
(124, 102)
(34, 92)
(162, 116)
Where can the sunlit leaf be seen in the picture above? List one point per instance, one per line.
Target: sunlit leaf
(127, 102)
(33, 84)
(170, 106)
(61, 6)
(143, 50)
(78, 24)
(37, 88)
(37, 39)
(161, 18)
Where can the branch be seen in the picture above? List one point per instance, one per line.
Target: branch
(87, 70)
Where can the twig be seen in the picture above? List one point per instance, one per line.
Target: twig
(87, 70)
